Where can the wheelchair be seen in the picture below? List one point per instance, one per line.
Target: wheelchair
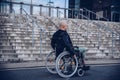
(66, 65)
(50, 62)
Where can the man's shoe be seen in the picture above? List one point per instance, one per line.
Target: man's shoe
(86, 68)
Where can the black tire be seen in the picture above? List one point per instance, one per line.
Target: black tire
(50, 63)
(80, 72)
(66, 66)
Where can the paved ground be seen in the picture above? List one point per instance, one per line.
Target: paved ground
(102, 72)
(42, 63)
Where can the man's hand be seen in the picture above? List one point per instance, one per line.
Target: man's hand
(72, 55)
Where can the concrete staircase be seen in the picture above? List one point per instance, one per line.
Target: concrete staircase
(84, 33)
(7, 51)
(18, 44)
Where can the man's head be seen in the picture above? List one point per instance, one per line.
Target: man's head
(63, 26)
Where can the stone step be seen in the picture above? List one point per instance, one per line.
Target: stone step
(4, 34)
(27, 41)
(6, 24)
(20, 53)
(4, 15)
(4, 40)
(21, 38)
(7, 51)
(6, 47)
(5, 20)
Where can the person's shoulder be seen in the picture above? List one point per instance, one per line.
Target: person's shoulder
(56, 33)
(60, 33)
(63, 33)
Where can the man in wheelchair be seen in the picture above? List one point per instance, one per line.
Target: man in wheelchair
(61, 41)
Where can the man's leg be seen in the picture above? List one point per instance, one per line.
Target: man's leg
(82, 59)
(58, 51)
(83, 62)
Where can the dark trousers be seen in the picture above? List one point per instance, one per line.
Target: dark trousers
(58, 51)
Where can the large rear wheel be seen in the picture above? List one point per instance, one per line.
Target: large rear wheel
(66, 66)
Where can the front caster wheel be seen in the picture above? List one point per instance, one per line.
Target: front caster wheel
(80, 72)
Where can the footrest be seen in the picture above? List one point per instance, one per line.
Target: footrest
(86, 68)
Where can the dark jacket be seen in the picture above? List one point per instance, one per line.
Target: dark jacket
(61, 40)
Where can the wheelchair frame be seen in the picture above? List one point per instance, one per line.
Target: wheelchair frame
(54, 68)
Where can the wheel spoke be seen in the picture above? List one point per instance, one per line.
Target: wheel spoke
(68, 66)
(50, 63)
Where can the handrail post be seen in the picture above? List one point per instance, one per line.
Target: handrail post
(112, 44)
(31, 9)
(57, 11)
(40, 10)
(111, 16)
(72, 13)
(40, 42)
(89, 15)
(81, 13)
(65, 13)
(21, 7)
(92, 17)
(11, 6)
(1, 8)
(119, 38)
(77, 13)
(98, 38)
(49, 11)
(119, 17)
(13, 13)
(33, 32)
(6, 8)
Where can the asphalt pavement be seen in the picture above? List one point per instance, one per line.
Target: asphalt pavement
(97, 72)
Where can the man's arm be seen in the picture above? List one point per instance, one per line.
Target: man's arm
(68, 43)
(53, 43)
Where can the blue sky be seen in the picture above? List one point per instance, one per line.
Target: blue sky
(56, 3)
(60, 3)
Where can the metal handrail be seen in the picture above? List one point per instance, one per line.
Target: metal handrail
(13, 12)
(95, 14)
(88, 22)
(52, 22)
(107, 28)
(14, 19)
(21, 23)
(34, 22)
